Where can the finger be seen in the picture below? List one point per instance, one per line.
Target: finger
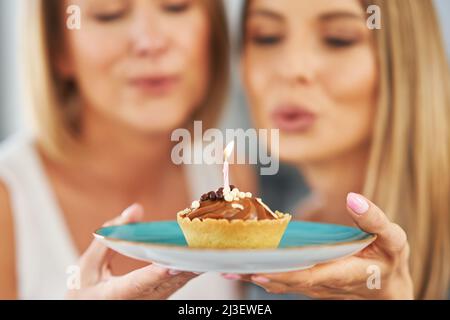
(133, 213)
(97, 253)
(338, 274)
(166, 288)
(300, 279)
(150, 281)
(273, 287)
(371, 219)
(234, 276)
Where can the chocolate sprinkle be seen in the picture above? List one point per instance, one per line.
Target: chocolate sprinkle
(215, 195)
(212, 195)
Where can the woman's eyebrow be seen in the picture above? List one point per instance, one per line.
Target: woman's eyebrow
(265, 13)
(341, 15)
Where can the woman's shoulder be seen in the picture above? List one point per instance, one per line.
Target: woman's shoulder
(5, 207)
(17, 163)
(7, 247)
(17, 156)
(15, 146)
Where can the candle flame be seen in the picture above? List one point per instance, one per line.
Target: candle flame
(228, 149)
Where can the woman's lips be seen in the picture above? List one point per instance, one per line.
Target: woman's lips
(154, 85)
(292, 118)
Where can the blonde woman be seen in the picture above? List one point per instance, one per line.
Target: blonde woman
(106, 99)
(363, 111)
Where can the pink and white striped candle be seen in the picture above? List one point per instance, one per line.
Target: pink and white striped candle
(226, 154)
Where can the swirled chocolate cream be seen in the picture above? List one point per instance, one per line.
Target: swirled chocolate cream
(231, 219)
(238, 205)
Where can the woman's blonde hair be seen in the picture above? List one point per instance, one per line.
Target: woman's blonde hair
(409, 168)
(55, 116)
(408, 173)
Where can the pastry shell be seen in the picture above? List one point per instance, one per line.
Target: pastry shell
(234, 234)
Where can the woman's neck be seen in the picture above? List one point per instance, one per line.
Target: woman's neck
(331, 181)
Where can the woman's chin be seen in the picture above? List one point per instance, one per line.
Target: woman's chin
(157, 125)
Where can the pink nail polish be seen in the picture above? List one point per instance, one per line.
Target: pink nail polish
(357, 203)
(231, 276)
(260, 279)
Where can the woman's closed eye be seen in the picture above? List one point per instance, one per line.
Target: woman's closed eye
(109, 16)
(176, 6)
(340, 42)
(266, 40)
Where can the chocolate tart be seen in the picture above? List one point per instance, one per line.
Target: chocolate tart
(230, 219)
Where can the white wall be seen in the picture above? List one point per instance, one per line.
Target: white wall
(443, 9)
(11, 103)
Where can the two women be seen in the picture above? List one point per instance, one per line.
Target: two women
(358, 110)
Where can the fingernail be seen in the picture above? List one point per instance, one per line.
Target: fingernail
(260, 279)
(231, 276)
(128, 210)
(173, 272)
(357, 203)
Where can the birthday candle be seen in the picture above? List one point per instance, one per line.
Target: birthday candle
(226, 153)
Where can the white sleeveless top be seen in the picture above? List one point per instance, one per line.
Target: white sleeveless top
(44, 249)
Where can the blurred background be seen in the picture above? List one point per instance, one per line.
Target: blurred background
(13, 108)
(12, 103)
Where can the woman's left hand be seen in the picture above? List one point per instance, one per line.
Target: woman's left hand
(348, 278)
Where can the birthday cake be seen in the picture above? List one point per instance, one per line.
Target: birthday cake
(229, 218)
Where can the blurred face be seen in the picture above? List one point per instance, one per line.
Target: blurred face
(138, 62)
(310, 70)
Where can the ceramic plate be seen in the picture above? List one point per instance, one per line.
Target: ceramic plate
(303, 245)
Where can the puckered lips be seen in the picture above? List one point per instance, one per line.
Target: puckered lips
(293, 118)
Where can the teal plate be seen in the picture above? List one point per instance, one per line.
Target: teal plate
(303, 245)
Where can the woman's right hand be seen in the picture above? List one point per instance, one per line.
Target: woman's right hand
(150, 282)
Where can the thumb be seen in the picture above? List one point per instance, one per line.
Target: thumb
(97, 253)
(133, 213)
(372, 219)
(150, 281)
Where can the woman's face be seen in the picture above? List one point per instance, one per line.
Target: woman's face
(310, 70)
(138, 62)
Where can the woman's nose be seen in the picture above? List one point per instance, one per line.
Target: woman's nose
(149, 37)
(298, 63)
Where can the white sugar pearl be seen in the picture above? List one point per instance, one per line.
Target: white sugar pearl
(241, 194)
(228, 197)
(237, 206)
(248, 194)
(195, 204)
